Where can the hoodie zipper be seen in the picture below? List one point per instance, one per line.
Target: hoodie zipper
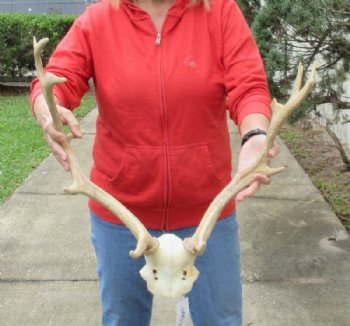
(167, 185)
(158, 39)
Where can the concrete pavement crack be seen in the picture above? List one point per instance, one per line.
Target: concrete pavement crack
(47, 280)
(283, 198)
(36, 193)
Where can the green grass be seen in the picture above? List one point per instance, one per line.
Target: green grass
(293, 138)
(332, 184)
(22, 145)
(290, 136)
(337, 196)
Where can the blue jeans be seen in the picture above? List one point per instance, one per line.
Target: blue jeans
(216, 297)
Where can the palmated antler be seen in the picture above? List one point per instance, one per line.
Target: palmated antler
(82, 185)
(197, 243)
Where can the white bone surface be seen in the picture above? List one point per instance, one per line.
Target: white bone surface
(170, 270)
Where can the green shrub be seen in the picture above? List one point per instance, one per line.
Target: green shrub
(16, 40)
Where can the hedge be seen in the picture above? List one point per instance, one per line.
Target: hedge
(16, 40)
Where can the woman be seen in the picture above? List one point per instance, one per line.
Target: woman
(165, 73)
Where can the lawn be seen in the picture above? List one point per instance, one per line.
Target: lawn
(319, 157)
(22, 145)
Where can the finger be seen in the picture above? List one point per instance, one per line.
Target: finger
(58, 152)
(262, 179)
(247, 191)
(274, 150)
(62, 161)
(254, 187)
(72, 122)
(55, 135)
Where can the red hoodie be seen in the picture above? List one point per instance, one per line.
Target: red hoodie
(162, 144)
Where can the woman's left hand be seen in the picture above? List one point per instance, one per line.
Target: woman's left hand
(247, 156)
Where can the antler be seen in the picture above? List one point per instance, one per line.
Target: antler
(81, 184)
(197, 243)
(169, 268)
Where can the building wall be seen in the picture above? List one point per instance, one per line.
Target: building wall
(339, 119)
(74, 7)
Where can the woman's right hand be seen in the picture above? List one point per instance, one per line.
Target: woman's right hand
(54, 138)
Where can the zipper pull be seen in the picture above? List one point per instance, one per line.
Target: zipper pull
(158, 39)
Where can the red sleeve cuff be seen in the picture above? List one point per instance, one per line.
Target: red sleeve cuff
(36, 91)
(251, 108)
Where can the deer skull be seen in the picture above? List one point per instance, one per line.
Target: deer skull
(170, 270)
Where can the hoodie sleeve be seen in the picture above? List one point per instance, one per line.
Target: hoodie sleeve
(245, 78)
(72, 60)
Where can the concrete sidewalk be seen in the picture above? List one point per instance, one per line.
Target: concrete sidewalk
(295, 253)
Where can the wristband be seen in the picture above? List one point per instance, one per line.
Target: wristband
(251, 134)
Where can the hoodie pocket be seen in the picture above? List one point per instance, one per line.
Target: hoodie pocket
(193, 177)
(139, 180)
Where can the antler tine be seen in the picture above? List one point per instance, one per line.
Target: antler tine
(48, 80)
(197, 243)
(282, 112)
(38, 46)
(300, 94)
(298, 79)
(146, 244)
